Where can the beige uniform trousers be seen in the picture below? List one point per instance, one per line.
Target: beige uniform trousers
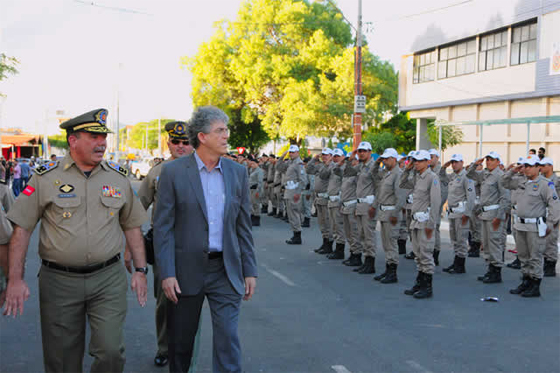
(551, 249)
(294, 213)
(530, 249)
(324, 221)
(367, 235)
(255, 203)
(493, 243)
(271, 196)
(389, 237)
(423, 249)
(337, 224)
(459, 235)
(475, 226)
(279, 196)
(67, 301)
(403, 228)
(351, 232)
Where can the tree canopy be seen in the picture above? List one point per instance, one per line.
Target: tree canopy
(288, 65)
(7, 67)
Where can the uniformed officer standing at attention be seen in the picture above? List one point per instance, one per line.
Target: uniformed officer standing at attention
(435, 165)
(335, 216)
(306, 199)
(315, 167)
(460, 207)
(264, 164)
(494, 201)
(296, 179)
(532, 224)
(6, 202)
(425, 213)
(179, 146)
(551, 250)
(256, 190)
(84, 204)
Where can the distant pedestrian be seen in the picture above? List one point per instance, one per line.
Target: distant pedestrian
(25, 170)
(16, 186)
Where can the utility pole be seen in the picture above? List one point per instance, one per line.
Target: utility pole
(359, 99)
(159, 135)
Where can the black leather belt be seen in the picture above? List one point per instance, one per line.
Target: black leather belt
(277, 184)
(254, 186)
(81, 270)
(215, 255)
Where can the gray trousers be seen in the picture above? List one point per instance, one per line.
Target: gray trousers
(403, 229)
(337, 224)
(367, 235)
(294, 213)
(271, 196)
(351, 233)
(324, 221)
(183, 318)
(551, 249)
(530, 249)
(459, 234)
(389, 237)
(475, 226)
(423, 249)
(493, 243)
(255, 203)
(306, 205)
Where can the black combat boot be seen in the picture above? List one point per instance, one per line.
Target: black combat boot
(459, 266)
(524, 285)
(264, 209)
(391, 276)
(549, 268)
(410, 255)
(355, 260)
(495, 275)
(416, 286)
(325, 242)
(295, 240)
(447, 269)
(436, 257)
(338, 253)
(382, 275)
(402, 246)
(368, 267)
(534, 288)
(425, 290)
(474, 252)
(255, 220)
(328, 248)
(516, 264)
(481, 278)
(305, 223)
(279, 214)
(272, 212)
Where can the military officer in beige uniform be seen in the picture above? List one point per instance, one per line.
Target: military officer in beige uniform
(366, 179)
(84, 204)
(335, 215)
(315, 167)
(6, 202)
(403, 229)
(435, 165)
(296, 179)
(494, 202)
(178, 144)
(475, 224)
(408, 206)
(551, 250)
(264, 165)
(278, 194)
(256, 189)
(459, 210)
(533, 224)
(388, 211)
(425, 215)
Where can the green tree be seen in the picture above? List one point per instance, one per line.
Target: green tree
(137, 139)
(7, 67)
(380, 141)
(290, 63)
(59, 140)
(246, 130)
(450, 135)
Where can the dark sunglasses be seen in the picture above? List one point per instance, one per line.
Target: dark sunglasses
(177, 142)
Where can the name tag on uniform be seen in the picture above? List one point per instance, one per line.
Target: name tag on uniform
(66, 195)
(109, 191)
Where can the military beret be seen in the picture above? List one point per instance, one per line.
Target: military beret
(94, 121)
(177, 130)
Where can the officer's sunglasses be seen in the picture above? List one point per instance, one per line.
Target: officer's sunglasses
(177, 142)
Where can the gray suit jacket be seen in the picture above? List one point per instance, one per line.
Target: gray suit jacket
(181, 225)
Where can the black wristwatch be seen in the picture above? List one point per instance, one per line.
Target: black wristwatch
(144, 270)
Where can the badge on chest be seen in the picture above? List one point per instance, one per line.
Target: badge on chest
(109, 191)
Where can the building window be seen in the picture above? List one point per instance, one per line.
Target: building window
(424, 67)
(493, 51)
(524, 44)
(457, 59)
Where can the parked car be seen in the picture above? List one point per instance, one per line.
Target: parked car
(141, 167)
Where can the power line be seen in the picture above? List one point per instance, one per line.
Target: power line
(124, 10)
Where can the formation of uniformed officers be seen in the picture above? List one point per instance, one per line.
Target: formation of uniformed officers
(406, 196)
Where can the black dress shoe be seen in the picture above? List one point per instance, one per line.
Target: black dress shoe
(161, 360)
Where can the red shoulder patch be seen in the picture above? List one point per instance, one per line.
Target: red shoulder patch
(29, 190)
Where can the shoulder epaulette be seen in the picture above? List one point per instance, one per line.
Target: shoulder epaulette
(115, 166)
(43, 169)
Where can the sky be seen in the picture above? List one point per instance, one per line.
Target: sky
(75, 56)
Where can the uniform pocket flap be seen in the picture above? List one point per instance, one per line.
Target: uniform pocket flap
(67, 202)
(115, 203)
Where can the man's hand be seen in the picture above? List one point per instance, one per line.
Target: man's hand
(410, 165)
(464, 219)
(250, 285)
(371, 212)
(479, 161)
(171, 288)
(496, 224)
(308, 197)
(297, 197)
(393, 220)
(16, 294)
(139, 284)
(428, 233)
(446, 164)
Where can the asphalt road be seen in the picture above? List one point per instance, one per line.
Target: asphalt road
(311, 314)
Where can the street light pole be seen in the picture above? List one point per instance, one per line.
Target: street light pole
(357, 122)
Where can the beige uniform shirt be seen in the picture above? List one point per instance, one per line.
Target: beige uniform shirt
(389, 193)
(256, 181)
(348, 186)
(335, 183)
(535, 197)
(148, 189)
(492, 192)
(461, 191)
(82, 218)
(366, 180)
(270, 174)
(6, 202)
(426, 197)
(295, 176)
(316, 167)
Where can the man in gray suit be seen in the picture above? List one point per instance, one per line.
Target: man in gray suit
(205, 193)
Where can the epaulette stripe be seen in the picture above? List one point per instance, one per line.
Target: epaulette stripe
(114, 166)
(43, 169)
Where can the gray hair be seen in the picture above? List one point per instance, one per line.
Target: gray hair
(201, 121)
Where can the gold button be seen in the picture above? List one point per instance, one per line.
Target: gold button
(111, 213)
